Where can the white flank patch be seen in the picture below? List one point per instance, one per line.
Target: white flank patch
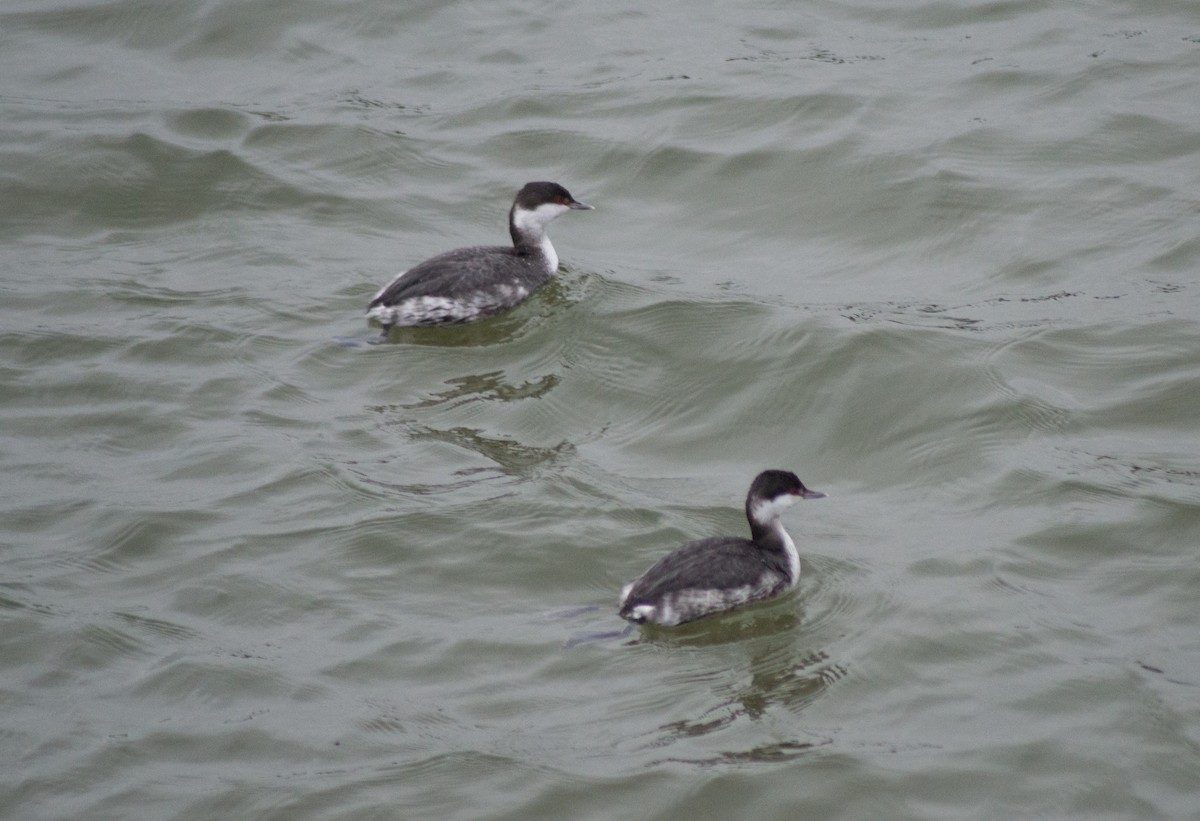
(511, 294)
(645, 612)
(423, 309)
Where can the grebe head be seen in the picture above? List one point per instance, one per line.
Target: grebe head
(774, 491)
(536, 206)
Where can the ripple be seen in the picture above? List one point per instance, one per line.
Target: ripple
(103, 642)
(938, 259)
(211, 682)
(210, 123)
(158, 627)
(846, 597)
(484, 387)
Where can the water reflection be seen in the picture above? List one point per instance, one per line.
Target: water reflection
(783, 678)
(777, 680)
(487, 386)
(512, 457)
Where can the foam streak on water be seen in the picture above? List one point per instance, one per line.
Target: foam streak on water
(939, 259)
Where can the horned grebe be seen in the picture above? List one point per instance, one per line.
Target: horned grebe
(467, 284)
(711, 575)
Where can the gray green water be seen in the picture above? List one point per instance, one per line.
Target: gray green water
(939, 258)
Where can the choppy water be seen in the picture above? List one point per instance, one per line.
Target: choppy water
(939, 258)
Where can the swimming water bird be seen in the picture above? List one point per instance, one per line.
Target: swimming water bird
(467, 284)
(711, 575)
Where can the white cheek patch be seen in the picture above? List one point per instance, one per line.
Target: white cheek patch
(536, 220)
(769, 509)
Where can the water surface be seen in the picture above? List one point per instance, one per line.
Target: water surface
(940, 260)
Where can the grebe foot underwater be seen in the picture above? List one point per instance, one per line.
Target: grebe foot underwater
(468, 284)
(716, 574)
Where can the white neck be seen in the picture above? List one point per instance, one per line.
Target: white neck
(766, 513)
(551, 254)
(793, 555)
